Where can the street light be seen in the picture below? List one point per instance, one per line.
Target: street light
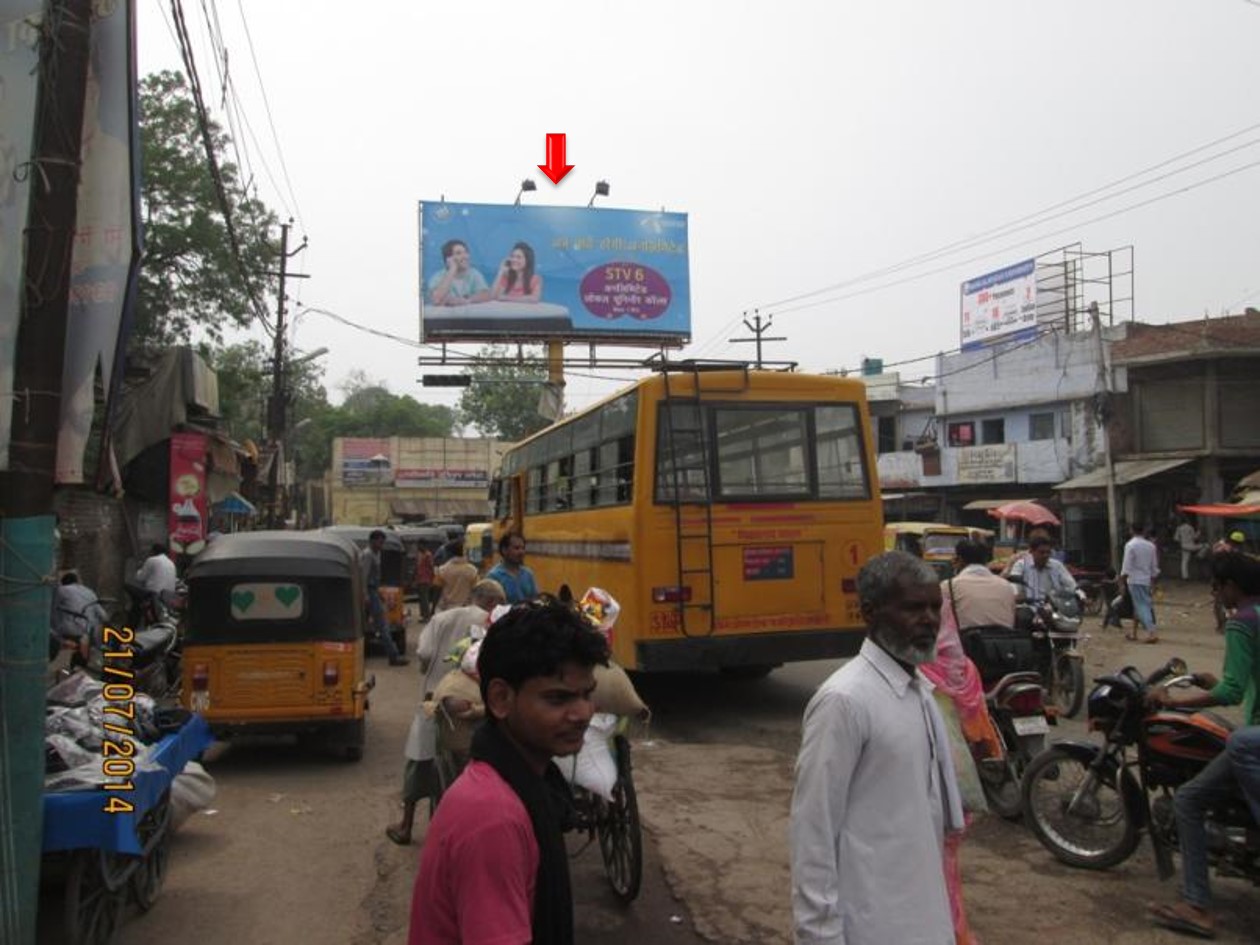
(526, 185)
(601, 190)
(310, 356)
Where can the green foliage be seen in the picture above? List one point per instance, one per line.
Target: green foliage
(245, 384)
(502, 400)
(189, 284)
(369, 410)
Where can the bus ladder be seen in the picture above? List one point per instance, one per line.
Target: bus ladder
(694, 544)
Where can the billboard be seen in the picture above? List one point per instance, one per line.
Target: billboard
(1000, 305)
(510, 273)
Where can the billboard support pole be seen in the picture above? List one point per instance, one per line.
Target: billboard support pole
(1103, 413)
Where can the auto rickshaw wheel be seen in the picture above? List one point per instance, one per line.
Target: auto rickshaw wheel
(95, 896)
(355, 738)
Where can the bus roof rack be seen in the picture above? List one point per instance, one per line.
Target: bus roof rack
(693, 365)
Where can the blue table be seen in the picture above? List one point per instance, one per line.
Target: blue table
(77, 820)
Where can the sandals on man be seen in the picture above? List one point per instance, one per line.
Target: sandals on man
(398, 836)
(1182, 917)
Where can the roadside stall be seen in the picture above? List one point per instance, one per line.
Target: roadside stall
(112, 759)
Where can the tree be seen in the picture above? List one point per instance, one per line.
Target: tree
(188, 278)
(244, 372)
(502, 400)
(367, 411)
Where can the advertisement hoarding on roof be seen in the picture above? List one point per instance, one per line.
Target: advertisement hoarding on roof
(491, 272)
(999, 305)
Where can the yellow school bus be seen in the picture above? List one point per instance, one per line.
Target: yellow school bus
(727, 509)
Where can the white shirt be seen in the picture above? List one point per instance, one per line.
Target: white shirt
(1141, 561)
(436, 639)
(1039, 582)
(157, 574)
(868, 812)
(1187, 536)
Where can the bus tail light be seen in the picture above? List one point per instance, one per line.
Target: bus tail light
(673, 594)
(332, 673)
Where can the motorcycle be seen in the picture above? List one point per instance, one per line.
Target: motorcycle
(1055, 625)
(1015, 699)
(153, 644)
(1087, 806)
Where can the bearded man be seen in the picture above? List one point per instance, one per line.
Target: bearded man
(875, 782)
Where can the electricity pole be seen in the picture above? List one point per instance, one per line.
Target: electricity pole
(27, 523)
(758, 328)
(277, 405)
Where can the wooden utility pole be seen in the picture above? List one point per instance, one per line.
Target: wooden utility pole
(758, 328)
(278, 404)
(27, 523)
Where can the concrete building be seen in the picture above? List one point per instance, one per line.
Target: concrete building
(1004, 422)
(1186, 428)
(374, 480)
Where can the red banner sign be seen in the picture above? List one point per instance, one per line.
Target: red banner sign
(188, 506)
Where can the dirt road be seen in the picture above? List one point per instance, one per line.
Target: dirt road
(294, 851)
(723, 839)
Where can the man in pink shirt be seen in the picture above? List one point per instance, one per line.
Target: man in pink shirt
(494, 869)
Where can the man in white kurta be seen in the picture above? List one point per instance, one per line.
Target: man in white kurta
(437, 637)
(875, 786)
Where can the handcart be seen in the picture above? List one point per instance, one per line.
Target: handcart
(110, 857)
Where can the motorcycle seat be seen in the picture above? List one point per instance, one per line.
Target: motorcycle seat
(153, 640)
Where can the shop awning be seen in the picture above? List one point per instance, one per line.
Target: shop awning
(1221, 509)
(983, 505)
(1127, 471)
(234, 504)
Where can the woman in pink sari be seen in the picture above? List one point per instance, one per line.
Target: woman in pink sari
(960, 697)
(516, 281)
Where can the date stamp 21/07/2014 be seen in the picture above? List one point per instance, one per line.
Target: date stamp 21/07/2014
(118, 744)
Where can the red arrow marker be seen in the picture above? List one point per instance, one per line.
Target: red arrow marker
(555, 168)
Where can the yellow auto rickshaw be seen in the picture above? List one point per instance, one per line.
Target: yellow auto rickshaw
(934, 542)
(394, 576)
(274, 637)
(479, 545)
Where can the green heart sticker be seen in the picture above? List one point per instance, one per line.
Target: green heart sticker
(287, 594)
(242, 600)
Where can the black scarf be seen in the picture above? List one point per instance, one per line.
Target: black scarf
(547, 800)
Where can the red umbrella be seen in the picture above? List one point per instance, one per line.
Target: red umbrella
(1029, 512)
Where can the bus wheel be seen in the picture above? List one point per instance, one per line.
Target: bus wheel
(751, 671)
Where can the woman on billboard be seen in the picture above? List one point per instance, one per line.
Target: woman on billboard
(516, 281)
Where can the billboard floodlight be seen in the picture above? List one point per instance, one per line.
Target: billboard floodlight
(526, 185)
(601, 190)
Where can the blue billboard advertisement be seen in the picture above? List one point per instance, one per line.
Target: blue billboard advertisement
(511, 273)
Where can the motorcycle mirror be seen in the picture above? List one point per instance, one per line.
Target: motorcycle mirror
(1176, 666)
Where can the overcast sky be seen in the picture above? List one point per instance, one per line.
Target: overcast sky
(811, 142)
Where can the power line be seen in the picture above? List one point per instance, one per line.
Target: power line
(203, 123)
(1040, 216)
(1035, 239)
(284, 169)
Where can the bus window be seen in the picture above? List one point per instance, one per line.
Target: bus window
(534, 489)
(680, 450)
(762, 452)
(616, 471)
(583, 482)
(841, 472)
